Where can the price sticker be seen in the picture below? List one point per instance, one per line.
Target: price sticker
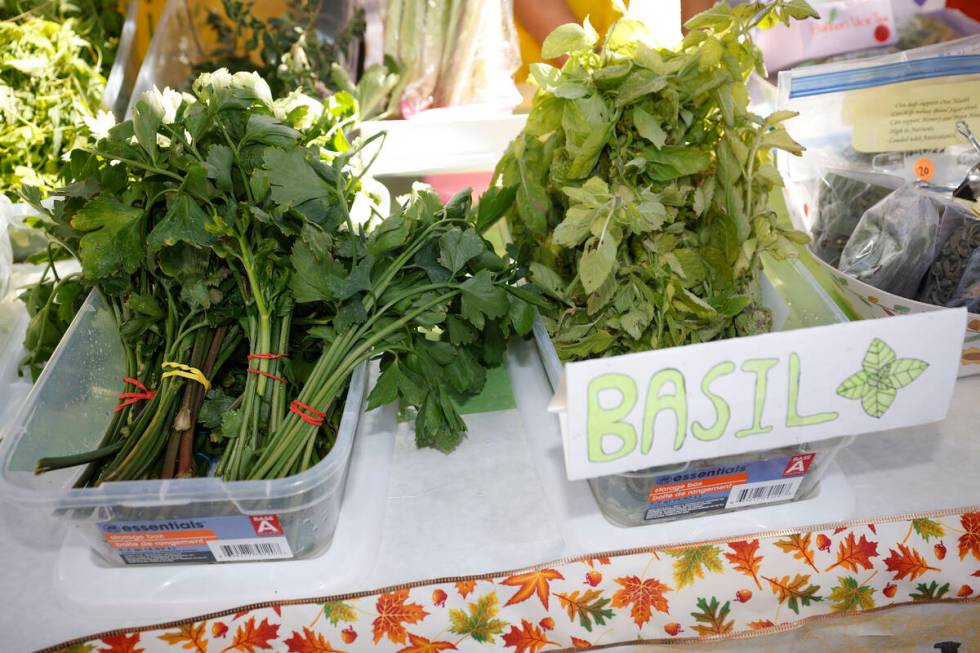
(924, 169)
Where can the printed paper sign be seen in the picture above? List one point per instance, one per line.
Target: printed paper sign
(636, 411)
(911, 116)
(843, 26)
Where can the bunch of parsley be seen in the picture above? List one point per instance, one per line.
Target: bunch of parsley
(217, 225)
(642, 182)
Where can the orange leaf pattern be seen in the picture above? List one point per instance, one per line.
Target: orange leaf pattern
(970, 540)
(642, 595)
(533, 582)
(852, 553)
(798, 544)
(464, 587)
(393, 611)
(526, 639)
(121, 643)
(615, 606)
(907, 562)
(417, 644)
(744, 559)
(249, 637)
(309, 641)
(191, 635)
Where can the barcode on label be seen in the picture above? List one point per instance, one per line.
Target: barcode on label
(272, 548)
(765, 492)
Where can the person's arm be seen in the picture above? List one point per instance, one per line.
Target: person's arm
(541, 17)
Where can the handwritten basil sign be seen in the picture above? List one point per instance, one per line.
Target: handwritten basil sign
(748, 394)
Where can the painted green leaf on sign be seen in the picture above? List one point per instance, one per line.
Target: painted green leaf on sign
(880, 378)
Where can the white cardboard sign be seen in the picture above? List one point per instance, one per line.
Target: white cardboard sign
(635, 411)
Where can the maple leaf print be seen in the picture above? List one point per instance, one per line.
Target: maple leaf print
(969, 542)
(393, 611)
(190, 635)
(589, 607)
(851, 553)
(796, 592)
(744, 559)
(581, 644)
(338, 611)
(77, 648)
(121, 643)
(480, 623)
(711, 618)
(591, 562)
(464, 587)
(798, 544)
(929, 592)
(692, 562)
(882, 375)
(643, 595)
(762, 624)
(907, 562)
(533, 582)
(309, 641)
(417, 644)
(526, 639)
(851, 595)
(249, 637)
(927, 528)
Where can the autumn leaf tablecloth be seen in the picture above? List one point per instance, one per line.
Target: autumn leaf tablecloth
(749, 586)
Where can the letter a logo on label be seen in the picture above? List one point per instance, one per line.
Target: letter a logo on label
(798, 465)
(266, 524)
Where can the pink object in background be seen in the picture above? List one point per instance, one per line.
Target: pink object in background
(449, 183)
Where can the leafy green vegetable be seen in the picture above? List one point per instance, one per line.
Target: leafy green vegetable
(218, 227)
(49, 99)
(641, 184)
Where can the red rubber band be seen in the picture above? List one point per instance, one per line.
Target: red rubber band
(298, 407)
(130, 398)
(267, 375)
(266, 357)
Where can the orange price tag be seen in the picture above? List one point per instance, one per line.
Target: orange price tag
(924, 169)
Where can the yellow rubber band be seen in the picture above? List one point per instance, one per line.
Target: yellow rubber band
(187, 372)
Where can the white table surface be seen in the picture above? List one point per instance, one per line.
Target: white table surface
(50, 593)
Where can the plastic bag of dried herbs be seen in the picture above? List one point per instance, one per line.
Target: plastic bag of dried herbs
(895, 242)
(950, 277)
(842, 200)
(967, 293)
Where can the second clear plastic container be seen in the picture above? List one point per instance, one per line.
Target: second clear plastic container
(726, 483)
(68, 411)
(182, 39)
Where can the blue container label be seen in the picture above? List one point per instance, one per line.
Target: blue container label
(230, 538)
(707, 489)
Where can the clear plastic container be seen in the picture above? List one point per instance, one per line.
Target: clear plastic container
(125, 67)
(182, 38)
(68, 411)
(672, 492)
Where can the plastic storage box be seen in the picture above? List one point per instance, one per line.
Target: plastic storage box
(125, 67)
(68, 411)
(726, 483)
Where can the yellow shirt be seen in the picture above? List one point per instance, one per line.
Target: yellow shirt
(601, 15)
